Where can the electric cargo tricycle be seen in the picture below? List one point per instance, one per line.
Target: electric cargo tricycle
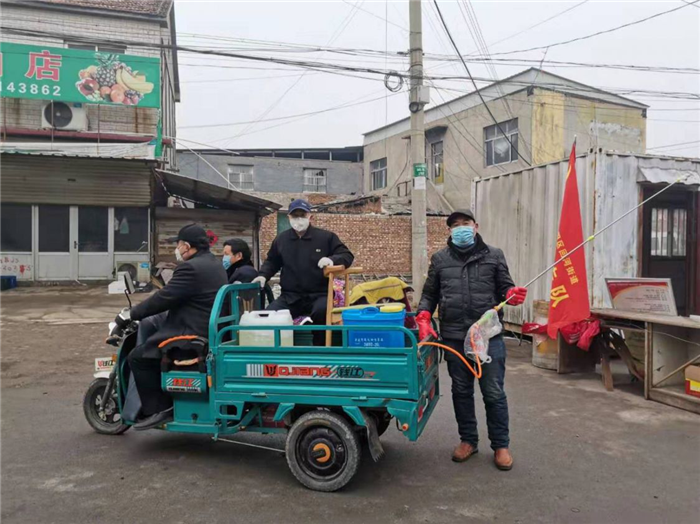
(331, 401)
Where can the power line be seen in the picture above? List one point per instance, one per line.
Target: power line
(311, 113)
(674, 145)
(336, 34)
(383, 19)
(598, 33)
(488, 109)
(539, 23)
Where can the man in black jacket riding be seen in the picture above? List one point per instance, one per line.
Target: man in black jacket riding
(466, 279)
(301, 253)
(187, 301)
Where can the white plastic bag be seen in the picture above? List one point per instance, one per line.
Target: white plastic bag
(476, 344)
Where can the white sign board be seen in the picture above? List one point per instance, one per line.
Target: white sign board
(642, 295)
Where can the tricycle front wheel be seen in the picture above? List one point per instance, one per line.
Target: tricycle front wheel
(323, 451)
(107, 421)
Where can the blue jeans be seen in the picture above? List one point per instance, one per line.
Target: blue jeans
(491, 384)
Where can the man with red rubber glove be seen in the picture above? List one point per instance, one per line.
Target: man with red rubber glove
(466, 279)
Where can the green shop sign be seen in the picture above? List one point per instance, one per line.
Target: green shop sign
(76, 75)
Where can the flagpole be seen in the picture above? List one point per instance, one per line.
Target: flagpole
(595, 234)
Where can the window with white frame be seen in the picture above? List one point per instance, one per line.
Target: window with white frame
(314, 180)
(437, 170)
(378, 174)
(240, 177)
(501, 145)
(102, 48)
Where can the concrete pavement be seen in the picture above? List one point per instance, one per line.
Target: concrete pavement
(582, 455)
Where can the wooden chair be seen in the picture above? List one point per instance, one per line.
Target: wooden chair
(333, 272)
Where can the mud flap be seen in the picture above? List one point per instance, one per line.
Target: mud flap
(376, 450)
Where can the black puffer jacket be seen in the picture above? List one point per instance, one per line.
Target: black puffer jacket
(465, 284)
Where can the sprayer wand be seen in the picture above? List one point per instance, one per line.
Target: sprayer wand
(592, 237)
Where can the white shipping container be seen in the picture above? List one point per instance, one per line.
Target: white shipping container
(519, 213)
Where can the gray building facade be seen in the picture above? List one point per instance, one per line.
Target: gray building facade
(333, 171)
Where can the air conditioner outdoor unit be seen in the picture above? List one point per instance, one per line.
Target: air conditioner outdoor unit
(64, 116)
(139, 271)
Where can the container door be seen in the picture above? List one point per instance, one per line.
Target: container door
(94, 257)
(57, 246)
(669, 242)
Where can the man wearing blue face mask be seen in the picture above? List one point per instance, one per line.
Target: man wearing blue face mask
(466, 279)
(239, 266)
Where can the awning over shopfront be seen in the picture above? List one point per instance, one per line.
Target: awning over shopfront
(212, 195)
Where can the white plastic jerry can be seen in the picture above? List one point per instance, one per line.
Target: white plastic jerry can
(256, 337)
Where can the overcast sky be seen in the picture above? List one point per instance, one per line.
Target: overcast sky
(223, 91)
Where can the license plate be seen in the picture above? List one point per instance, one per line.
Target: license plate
(104, 364)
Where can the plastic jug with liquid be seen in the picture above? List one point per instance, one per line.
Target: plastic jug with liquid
(266, 337)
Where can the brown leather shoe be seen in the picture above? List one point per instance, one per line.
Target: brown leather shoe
(503, 459)
(463, 452)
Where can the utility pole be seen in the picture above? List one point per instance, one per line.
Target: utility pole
(418, 99)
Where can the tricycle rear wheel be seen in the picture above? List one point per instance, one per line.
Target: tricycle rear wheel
(109, 421)
(323, 451)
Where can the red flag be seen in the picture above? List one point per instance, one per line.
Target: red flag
(569, 294)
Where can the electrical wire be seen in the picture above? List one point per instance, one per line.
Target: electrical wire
(336, 34)
(478, 91)
(274, 119)
(598, 33)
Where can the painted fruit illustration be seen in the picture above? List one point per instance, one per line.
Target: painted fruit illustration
(111, 80)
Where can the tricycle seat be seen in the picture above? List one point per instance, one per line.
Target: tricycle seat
(184, 353)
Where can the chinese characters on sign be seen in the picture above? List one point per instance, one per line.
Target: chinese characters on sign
(44, 65)
(569, 293)
(77, 75)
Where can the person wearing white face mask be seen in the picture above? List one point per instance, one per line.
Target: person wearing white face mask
(301, 253)
(182, 307)
(466, 279)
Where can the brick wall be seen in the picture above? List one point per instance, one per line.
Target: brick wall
(380, 243)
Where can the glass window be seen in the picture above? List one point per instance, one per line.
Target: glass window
(668, 232)
(240, 177)
(500, 148)
(54, 229)
(93, 236)
(378, 174)
(16, 234)
(131, 229)
(437, 173)
(105, 48)
(314, 180)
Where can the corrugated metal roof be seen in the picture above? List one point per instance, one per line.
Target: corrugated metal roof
(213, 195)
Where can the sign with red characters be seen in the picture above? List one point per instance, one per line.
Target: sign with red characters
(316, 372)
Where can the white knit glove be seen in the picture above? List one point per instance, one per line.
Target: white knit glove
(325, 262)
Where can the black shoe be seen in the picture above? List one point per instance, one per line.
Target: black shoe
(155, 420)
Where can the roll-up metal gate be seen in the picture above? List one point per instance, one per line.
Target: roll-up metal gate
(33, 179)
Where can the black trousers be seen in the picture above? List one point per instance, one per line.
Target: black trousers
(147, 370)
(313, 306)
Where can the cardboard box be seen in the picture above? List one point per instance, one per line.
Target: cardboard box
(692, 373)
(692, 381)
